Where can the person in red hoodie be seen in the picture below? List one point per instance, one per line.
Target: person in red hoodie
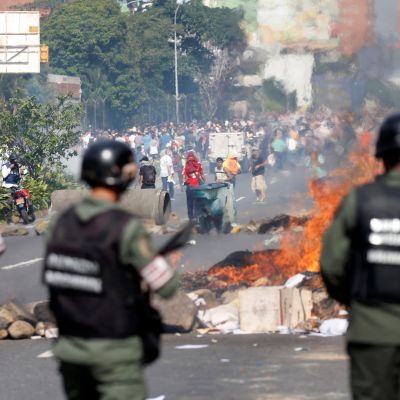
(193, 176)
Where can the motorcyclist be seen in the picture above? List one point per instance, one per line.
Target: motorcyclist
(12, 174)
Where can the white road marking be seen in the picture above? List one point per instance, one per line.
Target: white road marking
(240, 199)
(192, 346)
(23, 263)
(46, 354)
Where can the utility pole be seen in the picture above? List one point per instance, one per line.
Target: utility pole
(176, 70)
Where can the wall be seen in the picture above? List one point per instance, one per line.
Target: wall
(295, 72)
(5, 5)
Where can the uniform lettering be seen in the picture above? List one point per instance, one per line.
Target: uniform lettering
(385, 225)
(389, 239)
(72, 264)
(68, 281)
(383, 257)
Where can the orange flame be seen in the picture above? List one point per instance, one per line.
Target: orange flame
(300, 252)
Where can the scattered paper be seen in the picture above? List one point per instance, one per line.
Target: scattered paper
(294, 281)
(157, 398)
(334, 327)
(300, 349)
(225, 360)
(46, 354)
(283, 330)
(191, 346)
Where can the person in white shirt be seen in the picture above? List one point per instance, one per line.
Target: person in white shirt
(167, 172)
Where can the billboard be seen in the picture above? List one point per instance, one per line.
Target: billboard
(287, 22)
(19, 42)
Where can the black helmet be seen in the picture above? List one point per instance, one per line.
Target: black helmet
(103, 165)
(13, 158)
(389, 136)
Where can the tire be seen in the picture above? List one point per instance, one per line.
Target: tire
(24, 215)
(31, 213)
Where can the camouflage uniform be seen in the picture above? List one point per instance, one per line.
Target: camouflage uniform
(373, 335)
(109, 369)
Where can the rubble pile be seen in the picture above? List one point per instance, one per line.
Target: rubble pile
(272, 304)
(26, 321)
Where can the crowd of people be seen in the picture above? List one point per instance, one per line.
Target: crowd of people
(174, 153)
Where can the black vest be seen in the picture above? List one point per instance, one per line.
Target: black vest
(375, 260)
(149, 174)
(92, 295)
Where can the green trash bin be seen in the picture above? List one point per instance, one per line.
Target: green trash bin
(210, 205)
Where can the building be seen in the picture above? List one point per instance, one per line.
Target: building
(9, 5)
(63, 85)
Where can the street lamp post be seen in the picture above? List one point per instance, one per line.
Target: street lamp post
(176, 70)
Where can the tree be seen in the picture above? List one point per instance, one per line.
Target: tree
(42, 135)
(132, 56)
(214, 38)
(88, 39)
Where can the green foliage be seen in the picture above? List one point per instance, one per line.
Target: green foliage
(125, 61)
(41, 135)
(49, 181)
(40, 192)
(4, 197)
(273, 97)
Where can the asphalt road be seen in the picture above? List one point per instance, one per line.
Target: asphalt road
(20, 266)
(230, 367)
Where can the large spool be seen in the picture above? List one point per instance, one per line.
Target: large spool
(151, 204)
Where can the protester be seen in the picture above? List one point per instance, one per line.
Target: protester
(257, 169)
(147, 174)
(98, 261)
(167, 173)
(360, 264)
(220, 174)
(315, 164)
(278, 145)
(232, 169)
(154, 147)
(178, 166)
(193, 176)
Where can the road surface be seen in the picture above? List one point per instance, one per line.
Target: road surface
(228, 367)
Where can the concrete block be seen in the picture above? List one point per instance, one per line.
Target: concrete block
(260, 309)
(296, 306)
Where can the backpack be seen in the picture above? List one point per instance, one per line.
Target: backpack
(149, 174)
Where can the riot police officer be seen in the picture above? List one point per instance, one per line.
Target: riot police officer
(360, 264)
(97, 260)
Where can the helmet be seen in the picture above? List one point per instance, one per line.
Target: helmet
(12, 158)
(389, 136)
(103, 165)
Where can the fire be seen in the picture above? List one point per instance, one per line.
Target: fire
(300, 252)
(258, 269)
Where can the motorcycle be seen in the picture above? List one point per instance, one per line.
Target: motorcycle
(23, 203)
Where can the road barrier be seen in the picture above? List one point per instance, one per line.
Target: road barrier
(151, 204)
